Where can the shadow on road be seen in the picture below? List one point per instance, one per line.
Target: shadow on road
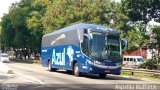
(95, 76)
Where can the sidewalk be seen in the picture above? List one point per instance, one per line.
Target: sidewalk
(5, 69)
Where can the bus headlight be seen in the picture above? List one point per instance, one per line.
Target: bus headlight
(97, 63)
(90, 62)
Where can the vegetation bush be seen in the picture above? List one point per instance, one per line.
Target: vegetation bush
(150, 64)
(158, 66)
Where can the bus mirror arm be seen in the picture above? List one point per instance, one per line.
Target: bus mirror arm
(125, 42)
(89, 38)
(88, 44)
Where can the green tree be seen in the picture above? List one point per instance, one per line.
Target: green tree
(34, 22)
(142, 10)
(14, 30)
(139, 13)
(0, 38)
(136, 39)
(156, 38)
(61, 13)
(8, 33)
(0, 30)
(118, 19)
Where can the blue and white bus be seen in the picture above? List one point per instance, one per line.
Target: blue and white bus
(83, 48)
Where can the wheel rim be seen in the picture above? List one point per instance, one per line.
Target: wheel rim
(76, 69)
(49, 66)
(102, 75)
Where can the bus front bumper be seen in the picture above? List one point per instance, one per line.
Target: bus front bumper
(96, 69)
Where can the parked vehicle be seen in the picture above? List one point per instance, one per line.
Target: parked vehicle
(133, 60)
(12, 57)
(4, 57)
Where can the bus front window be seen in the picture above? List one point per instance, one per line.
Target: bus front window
(113, 44)
(105, 47)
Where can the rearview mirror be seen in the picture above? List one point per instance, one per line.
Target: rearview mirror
(125, 43)
(86, 44)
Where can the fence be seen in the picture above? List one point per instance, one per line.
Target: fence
(155, 73)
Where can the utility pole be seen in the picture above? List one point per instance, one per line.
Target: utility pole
(80, 3)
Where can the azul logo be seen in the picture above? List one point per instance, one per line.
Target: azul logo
(70, 53)
(58, 58)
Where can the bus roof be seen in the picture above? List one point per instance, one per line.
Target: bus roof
(87, 26)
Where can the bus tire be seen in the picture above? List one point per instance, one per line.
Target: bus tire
(76, 70)
(50, 68)
(102, 75)
(69, 71)
(118, 73)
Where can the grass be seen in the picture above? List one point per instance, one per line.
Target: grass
(140, 75)
(25, 61)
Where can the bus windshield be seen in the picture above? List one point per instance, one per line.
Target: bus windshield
(105, 47)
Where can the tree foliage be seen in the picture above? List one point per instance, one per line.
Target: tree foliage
(0, 30)
(156, 38)
(61, 13)
(136, 39)
(142, 10)
(7, 32)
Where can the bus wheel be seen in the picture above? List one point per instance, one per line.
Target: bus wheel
(50, 68)
(69, 71)
(102, 75)
(76, 70)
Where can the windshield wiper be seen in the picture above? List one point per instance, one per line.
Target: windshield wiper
(95, 57)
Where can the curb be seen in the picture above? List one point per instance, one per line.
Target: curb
(143, 79)
(5, 69)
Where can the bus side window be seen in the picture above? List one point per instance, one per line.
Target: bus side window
(85, 46)
(131, 59)
(127, 59)
(124, 59)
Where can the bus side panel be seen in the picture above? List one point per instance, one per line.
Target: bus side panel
(45, 56)
(83, 64)
(63, 56)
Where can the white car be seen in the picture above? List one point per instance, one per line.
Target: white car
(4, 57)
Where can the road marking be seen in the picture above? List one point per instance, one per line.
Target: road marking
(27, 77)
(4, 74)
(5, 68)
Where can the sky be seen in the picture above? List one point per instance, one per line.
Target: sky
(4, 6)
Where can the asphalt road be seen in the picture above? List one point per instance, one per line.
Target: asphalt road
(36, 77)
